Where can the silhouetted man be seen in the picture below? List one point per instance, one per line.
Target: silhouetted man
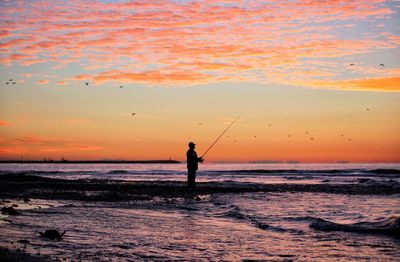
(192, 165)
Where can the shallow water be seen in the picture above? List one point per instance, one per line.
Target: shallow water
(230, 227)
(214, 172)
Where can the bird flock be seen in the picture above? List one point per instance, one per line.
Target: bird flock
(12, 82)
(306, 133)
(353, 64)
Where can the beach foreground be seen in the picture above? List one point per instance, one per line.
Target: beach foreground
(162, 220)
(20, 186)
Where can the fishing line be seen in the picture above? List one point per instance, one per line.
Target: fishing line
(226, 129)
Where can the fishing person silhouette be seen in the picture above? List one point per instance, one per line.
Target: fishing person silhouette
(192, 159)
(192, 165)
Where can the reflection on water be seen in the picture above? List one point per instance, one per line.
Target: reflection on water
(229, 227)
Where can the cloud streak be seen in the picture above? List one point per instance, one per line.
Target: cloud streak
(377, 84)
(188, 43)
(48, 144)
(42, 82)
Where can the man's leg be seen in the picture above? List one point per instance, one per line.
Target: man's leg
(191, 178)
(194, 179)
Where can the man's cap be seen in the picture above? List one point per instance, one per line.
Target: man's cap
(191, 143)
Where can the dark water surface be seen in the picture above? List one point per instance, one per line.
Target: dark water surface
(238, 172)
(228, 227)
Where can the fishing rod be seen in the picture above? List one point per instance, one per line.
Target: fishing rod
(226, 129)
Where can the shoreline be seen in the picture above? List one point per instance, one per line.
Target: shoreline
(95, 210)
(30, 186)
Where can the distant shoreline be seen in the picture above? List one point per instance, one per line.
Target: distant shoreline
(170, 161)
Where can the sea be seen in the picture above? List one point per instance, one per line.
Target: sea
(252, 226)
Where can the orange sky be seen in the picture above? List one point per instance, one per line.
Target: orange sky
(305, 73)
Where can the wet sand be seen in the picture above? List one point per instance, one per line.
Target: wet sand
(28, 186)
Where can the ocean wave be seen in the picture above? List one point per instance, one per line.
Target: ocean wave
(386, 171)
(117, 172)
(320, 171)
(279, 171)
(289, 174)
(236, 213)
(298, 177)
(31, 172)
(301, 219)
(381, 183)
(387, 226)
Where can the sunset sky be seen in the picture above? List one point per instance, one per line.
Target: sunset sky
(307, 75)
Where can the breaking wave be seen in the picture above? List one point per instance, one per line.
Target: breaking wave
(387, 226)
(236, 213)
(348, 172)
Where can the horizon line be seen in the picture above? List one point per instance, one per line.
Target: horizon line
(172, 161)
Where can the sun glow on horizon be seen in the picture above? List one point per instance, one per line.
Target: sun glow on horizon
(319, 81)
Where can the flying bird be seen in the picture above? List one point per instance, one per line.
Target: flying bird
(269, 124)
(255, 136)
(312, 138)
(121, 86)
(13, 83)
(133, 114)
(351, 64)
(87, 83)
(382, 65)
(349, 139)
(367, 109)
(306, 133)
(10, 80)
(289, 136)
(7, 83)
(200, 124)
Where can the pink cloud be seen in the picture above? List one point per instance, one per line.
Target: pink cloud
(4, 33)
(42, 82)
(3, 123)
(150, 76)
(29, 62)
(27, 75)
(15, 42)
(170, 42)
(14, 57)
(394, 39)
(61, 83)
(386, 84)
